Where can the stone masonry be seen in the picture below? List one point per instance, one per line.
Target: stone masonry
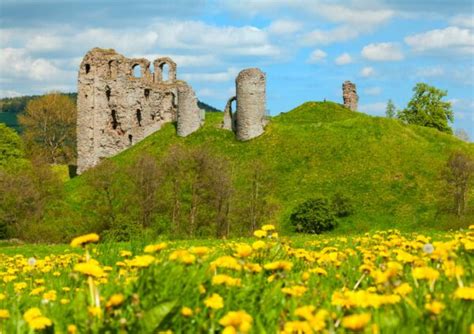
(349, 95)
(249, 119)
(117, 108)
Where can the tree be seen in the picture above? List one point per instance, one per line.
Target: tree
(11, 146)
(426, 108)
(462, 134)
(458, 176)
(390, 110)
(313, 216)
(49, 125)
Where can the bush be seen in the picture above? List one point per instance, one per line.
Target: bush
(342, 205)
(313, 216)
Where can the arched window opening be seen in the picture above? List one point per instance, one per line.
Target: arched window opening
(137, 71)
(114, 120)
(165, 71)
(147, 93)
(139, 117)
(233, 105)
(130, 139)
(88, 68)
(108, 91)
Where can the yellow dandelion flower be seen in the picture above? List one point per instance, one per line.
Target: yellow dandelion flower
(295, 291)
(214, 301)
(268, 227)
(186, 312)
(4, 314)
(259, 244)
(115, 300)
(182, 256)
(40, 323)
(260, 233)
(200, 251)
(403, 289)
(225, 280)
(142, 261)
(71, 329)
(426, 273)
(84, 239)
(434, 307)
(32, 313)
(155, 248)
(89, 269)
(227, 262)
(243, 250)
(50, 295)
(300, 327)
(279, 265)
(94, 311)
(356, 321)
(238, 321)
(466, 293)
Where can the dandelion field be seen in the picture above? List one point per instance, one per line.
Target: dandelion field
(382, 282)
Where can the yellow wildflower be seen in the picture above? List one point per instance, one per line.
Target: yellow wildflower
(4, 314)
(268, 227)
(225, 280)
(427, 273)
(32, 313)
(71, 329)
(89, 268)
(238, 321)
(356, 321)
(50, 295)
(295, 291)
(2, 296)
(214, 301)
(94, 311)
(125, 253)
(35, 319)
(182, 256)
(260, 233)
(243, 250)
(300, 327)
(84, 239)
(466, 293)
(227, 262)
(434, 307)
(142, 261)
(37, 291)
(186, 312)
(200, 251)
(115, 300)
(155, 248)
(403, 289)
(279, 265)
(259, 244)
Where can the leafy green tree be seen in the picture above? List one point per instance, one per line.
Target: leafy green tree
(11, 146)
(426, 108)
(49, 124)
(313, 216)
(390, 111)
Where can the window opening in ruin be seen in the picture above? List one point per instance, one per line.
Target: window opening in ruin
(108, 91)
(137, 71)
(88, 68)
(152, 117)
(130, 139)
(111, 63)
(147, 93)
(139, 117)
(165, 71)
(114, 120)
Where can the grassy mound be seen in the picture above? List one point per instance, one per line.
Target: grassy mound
(390, 170)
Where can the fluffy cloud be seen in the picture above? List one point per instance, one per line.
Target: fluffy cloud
(343, 59)
(317, 56)
(382, 52)
(367, 72)
(230, 74)
(284, 27)
(448, 39)
(463, 21)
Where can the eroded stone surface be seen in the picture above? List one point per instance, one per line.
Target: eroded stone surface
(249, 119)
(349, 95)
(117, 109)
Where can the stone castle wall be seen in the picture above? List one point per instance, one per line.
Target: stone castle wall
(249, 119)
(349, 95)
(116, 109)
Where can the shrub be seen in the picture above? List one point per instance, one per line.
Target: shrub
(313, 216)
(342, 205)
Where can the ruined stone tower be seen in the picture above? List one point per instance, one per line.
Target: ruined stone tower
(349, 95)
(249, 119)
(121, 101)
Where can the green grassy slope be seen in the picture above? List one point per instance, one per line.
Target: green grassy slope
(391, 170)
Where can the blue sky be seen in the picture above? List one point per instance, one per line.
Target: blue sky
(306, 47)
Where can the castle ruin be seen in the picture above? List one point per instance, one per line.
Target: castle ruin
(349, 95)
(121, 101)
(249, 119)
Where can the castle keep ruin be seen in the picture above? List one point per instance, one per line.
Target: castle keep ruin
(249, 119)
(121, 101)
(349, 95)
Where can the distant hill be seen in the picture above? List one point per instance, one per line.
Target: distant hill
(10, 107)
(389, 169)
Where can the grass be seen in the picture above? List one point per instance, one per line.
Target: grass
(390, 170)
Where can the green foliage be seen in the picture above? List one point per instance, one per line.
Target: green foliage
(390, 111)
(426, 108)
(315, 216)
(11, 146)
(342, 205)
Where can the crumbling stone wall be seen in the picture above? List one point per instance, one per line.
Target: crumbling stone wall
(116, 108)
(249, 119)
(349, 95)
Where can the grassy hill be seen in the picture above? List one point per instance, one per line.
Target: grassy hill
(390, 170)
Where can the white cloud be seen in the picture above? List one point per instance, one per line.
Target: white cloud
(463, 20)
(382, 52)
(448, 39)
(284, 27)
(9, 93)
(376, 109)
(367, 72)
(317, 56)
(343, 59)
(323, 37)
(17, 63)
(230, 74)
(44, 43)
(427, 72)
(373, 91)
